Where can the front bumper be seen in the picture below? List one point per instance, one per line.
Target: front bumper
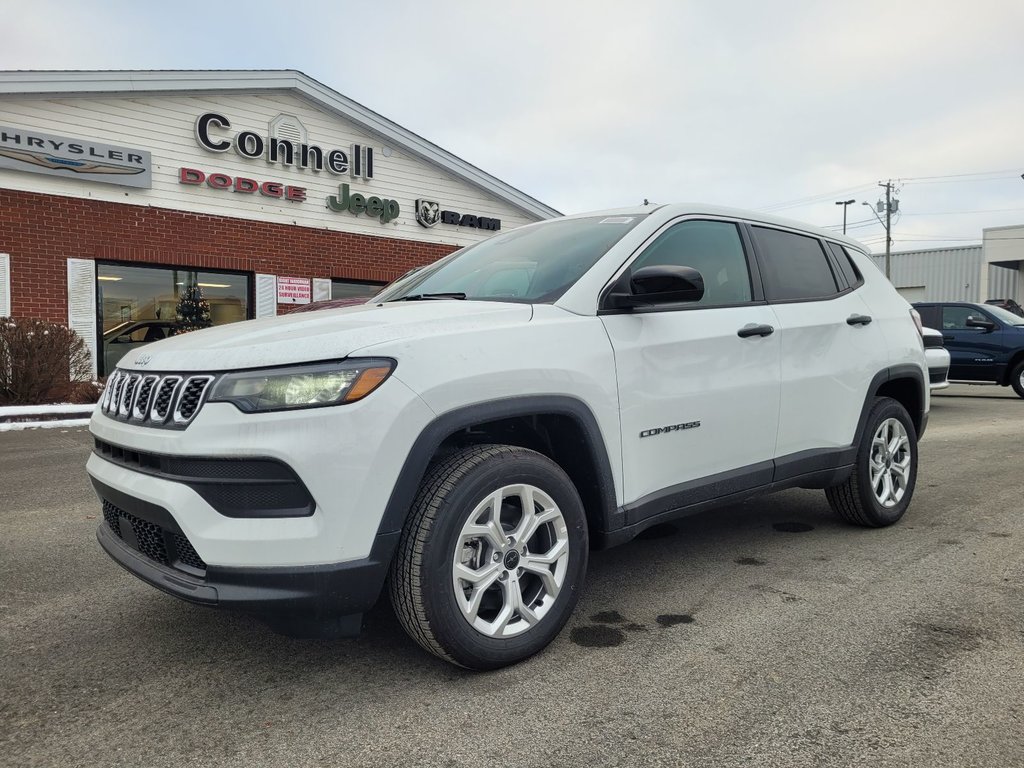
(300, 600)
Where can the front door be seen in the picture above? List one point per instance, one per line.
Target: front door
(697, 400)
(972, 351)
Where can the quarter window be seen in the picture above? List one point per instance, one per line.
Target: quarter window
(714, 249)
(846, 265)
(793, 267)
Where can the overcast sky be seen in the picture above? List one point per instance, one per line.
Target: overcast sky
(588, 105)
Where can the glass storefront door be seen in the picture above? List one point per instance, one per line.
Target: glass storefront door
(140, 305)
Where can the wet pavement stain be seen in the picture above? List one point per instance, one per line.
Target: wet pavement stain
(634, 627)
(672, 619)
(660, 531)
(748, 561)
(599, 636)
(608, 617)
(792, 527)
(1001, 535)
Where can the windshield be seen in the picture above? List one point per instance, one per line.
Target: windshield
(535, 264)
(1004, 315)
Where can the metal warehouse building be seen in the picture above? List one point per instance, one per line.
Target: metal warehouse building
(976, 273)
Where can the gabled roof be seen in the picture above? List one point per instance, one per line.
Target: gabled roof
(142, 82)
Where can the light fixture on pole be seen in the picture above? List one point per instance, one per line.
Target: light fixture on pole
(845, 203)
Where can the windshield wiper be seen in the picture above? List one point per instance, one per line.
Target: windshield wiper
(429, 296)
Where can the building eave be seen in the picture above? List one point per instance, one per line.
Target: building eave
(81, 83)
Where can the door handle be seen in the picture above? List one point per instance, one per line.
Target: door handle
(948, 337)
(755, 330)
(858, 320)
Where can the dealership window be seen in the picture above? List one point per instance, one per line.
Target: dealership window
(139, 305)
(354, 289)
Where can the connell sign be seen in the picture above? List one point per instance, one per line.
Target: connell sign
(213, 132)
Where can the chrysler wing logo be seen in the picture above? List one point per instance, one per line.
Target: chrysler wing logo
(143, 360)
(428, 212)
(45, 160)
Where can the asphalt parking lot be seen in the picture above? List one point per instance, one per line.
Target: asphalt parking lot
(767, 634)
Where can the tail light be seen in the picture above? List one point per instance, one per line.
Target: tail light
(919, 325)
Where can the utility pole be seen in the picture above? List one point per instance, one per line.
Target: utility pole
(888, 227)
(845, 203)
(890, 206)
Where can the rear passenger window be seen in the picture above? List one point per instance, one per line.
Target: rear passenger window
(846, 265)
(793, 266)
(930, 316)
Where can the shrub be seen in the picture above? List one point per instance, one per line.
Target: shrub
(40, 361)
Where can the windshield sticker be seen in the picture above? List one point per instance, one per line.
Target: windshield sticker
(616, 220)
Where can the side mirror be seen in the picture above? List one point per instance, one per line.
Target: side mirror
(662, 284)
(123, 340)
(980, 322)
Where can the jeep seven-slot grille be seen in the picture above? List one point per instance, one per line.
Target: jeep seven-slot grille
(155, 400)
(160, 545)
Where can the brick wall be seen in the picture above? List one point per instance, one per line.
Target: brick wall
(41, 232)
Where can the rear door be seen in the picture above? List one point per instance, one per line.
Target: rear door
(830, 347)
(697, 399)
(973, 352)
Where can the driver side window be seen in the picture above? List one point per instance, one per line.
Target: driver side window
(713, 248)
(955, 318)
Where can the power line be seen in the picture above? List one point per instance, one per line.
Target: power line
(961, 181)
(795, 203)
(964, 213)
(1014, 171)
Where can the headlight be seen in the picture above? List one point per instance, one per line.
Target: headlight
(302, 386)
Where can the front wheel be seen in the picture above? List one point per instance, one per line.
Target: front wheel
(492, 558)
(880, 488)
(1017, 379)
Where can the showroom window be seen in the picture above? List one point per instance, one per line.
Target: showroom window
(354, 289)
(140, 305)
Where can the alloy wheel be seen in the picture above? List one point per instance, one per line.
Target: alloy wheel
(510, 560)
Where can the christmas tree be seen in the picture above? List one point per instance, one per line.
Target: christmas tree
(193, 311)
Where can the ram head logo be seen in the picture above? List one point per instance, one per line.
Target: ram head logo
(428, 213)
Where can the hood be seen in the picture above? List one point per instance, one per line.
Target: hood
(329, 334)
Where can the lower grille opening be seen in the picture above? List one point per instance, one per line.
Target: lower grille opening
(158, 544)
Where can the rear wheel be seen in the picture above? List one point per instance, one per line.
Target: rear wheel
(1017, 379)
(880, 488)
(492, 558)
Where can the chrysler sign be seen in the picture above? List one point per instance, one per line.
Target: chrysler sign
(22, 149)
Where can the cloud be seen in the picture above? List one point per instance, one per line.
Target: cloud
(595, 104)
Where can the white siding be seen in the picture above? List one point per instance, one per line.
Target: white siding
(82, 303)
(5, 285)
(164, 125)
(266, 296)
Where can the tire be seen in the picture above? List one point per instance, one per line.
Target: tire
(857, 500)
(1017, 379)
(507, 610)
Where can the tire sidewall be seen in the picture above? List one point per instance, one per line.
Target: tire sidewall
(885, 408)
(464, 643)
(1016, 379)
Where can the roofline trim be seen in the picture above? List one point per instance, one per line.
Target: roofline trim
(87, 82)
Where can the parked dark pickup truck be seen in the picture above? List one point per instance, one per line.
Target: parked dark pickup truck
(985, 342)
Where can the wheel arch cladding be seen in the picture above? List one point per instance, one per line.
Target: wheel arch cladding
(906, 385)
(562, 428)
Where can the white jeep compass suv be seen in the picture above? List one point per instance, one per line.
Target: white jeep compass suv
(467, 436)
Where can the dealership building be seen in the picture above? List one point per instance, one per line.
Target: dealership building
(122, 191)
